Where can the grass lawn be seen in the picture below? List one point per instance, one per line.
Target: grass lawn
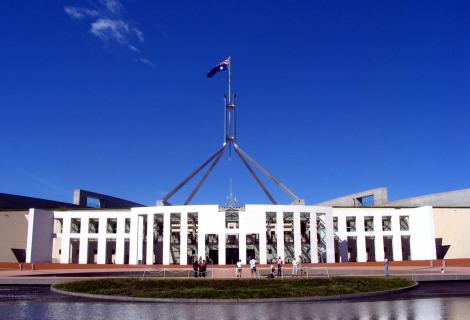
(232, 289)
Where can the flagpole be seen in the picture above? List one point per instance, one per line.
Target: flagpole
(229, 79)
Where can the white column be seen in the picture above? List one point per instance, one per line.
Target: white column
(101, 258)
(329, 238)
(149, 250)
(396, 240)
(342, 234)
(360, 239)
(166, 237)
(133, 241)
(140, 239)
(297, 235)
(313, 237)
(379, 239)
(262, 248)
(280, 234)
(221, 248)
(83, 248)
(242, 247)
(184, 238)
(120, 240)
(65, 242)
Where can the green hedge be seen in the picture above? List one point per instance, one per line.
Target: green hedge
(232, 289)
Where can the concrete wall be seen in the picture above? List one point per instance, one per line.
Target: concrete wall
(453, 226)
(13, 233)
(458, 198)
(80, 199)
(380, 198)
(39, 242)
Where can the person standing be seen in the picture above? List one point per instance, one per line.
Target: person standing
(199, 266)
(238, 269)
(299, 265)
(253, 267)
(295, 265)
(196, 268)
(280, 263)
(386, 267)
(203, 268)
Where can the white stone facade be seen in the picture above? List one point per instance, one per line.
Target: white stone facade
(179, 234)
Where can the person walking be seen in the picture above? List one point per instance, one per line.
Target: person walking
(300, 265)
(386, 267)
(238, 269)
(280, 263)
(253, 267)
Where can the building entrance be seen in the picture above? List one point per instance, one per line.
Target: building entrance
(212, 248)
(231, 249)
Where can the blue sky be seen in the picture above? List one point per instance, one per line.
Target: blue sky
(334, 96)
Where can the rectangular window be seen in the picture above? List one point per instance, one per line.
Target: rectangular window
(158, 238)
(175, 229)
(111, 225)
(58, 225)
(305, 235)
(335, 224)
(386, 223)
(271, 239)
(365, 201)
(321, 237)
(350, 224)
(93, 202)
(127, 225)
(404, 223)
(369, 223)
(231, 219)
(75, 225)
(93, 225)
(193, 225)
(288, 237)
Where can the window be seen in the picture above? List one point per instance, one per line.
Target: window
(58, 225)
(127, 225)
(386, 223)
(365, 201)
(231, 219)
(75, 225)
(111, 226)
(335, 224)
(93, 202)
(350, 224)
(404, 223)
(369, 223)
(93, 225)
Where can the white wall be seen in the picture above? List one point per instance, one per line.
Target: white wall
(212, 221)
(421, 231)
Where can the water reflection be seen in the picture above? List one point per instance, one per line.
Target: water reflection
(428, 309)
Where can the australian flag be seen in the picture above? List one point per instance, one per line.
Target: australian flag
(224, 65)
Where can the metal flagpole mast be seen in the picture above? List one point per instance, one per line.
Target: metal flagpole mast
(229, 112)
(229, 79)
(230, 139)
